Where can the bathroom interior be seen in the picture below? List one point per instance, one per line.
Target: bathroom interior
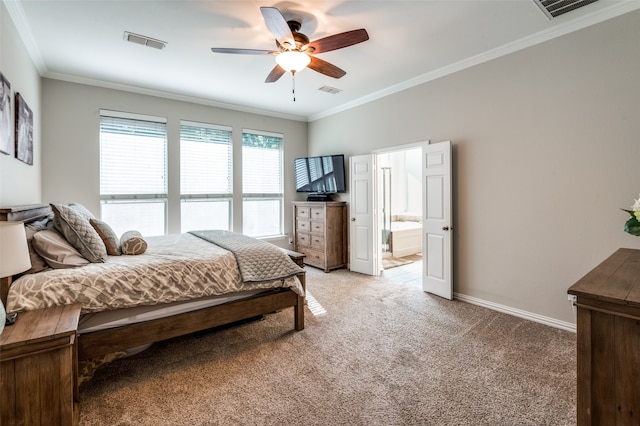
(400, 198)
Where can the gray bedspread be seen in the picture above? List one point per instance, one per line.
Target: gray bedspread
(258, 261)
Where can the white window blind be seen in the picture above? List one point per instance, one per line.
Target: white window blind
(205, 159)
(261, 164)
(133, 157)
(262, 184)
(133, 172)
(205, 176)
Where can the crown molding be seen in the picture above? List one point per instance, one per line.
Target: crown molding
(616, 10)
(169, 95)
(24, 30)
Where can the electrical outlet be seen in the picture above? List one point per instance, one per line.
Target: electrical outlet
(290, 241)
(573, 298)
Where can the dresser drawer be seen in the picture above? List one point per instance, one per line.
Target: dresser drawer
(316, 241)
(317, 213)
(303, 225)
(303, 239)
(303, 212)
(313, 257)
(317, 227)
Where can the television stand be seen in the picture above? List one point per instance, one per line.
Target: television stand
(320, 197)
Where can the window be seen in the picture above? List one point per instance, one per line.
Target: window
(133, 172)
(262, 186)
(205, 176)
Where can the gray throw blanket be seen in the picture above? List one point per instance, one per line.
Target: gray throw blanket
(258, 261)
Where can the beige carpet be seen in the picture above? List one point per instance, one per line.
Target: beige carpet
(382, 354)
(393, 262)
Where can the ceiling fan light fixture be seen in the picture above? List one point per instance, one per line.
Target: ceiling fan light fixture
(293, 61)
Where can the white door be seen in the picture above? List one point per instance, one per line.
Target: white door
(436, 219)
(364, 254)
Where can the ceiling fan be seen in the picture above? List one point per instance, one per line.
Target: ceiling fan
(294, 50)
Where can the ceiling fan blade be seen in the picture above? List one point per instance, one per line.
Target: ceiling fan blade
(278, 26)
(338, 41)
(324, 67)
(244, 51)
(275, 74)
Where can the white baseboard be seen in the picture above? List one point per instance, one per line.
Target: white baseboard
(517, 312)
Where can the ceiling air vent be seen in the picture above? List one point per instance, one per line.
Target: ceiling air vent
(330, 89)
(553, 8)
(144, 40)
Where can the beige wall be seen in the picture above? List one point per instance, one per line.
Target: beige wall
(546, 151)
(19, 182)
(71, 169)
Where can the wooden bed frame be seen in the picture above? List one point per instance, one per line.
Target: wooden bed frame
(106, 341)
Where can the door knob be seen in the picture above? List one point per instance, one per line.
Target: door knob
(445, 228)
(353, 219)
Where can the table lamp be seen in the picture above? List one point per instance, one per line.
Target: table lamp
(14, 258)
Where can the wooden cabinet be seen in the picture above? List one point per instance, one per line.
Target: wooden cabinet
(320, 232)
(38, 368)
(608, 338)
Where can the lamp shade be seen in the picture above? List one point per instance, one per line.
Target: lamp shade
(293, 61)
(14, 253)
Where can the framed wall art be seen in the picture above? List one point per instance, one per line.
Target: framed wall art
(6, 117)
(24, 131)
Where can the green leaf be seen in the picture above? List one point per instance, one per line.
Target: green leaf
(629, 211)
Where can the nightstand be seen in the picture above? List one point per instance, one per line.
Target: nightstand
(38, 368)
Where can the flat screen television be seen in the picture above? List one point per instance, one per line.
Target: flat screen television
(322, 175)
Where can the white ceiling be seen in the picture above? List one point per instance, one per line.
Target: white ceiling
(410, 42)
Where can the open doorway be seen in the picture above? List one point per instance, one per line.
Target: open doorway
(400, 201)
(365, 235)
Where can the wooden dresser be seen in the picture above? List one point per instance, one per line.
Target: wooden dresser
(608, 335)
(38, 368)
(320, 232)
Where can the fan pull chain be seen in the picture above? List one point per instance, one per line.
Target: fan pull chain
(293, 73)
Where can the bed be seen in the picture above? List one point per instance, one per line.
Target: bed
(205, 285)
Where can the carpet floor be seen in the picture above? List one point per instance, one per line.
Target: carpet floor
(378, 353)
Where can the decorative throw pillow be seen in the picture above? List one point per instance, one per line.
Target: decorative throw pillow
(82, 210)
(132, 242)
(79, 233)
(57, 251)
(109, 238)
(38, 264)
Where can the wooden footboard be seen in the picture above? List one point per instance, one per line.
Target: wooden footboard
(102, 342)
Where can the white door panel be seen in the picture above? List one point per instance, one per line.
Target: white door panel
(437, 220)
(362, 226)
